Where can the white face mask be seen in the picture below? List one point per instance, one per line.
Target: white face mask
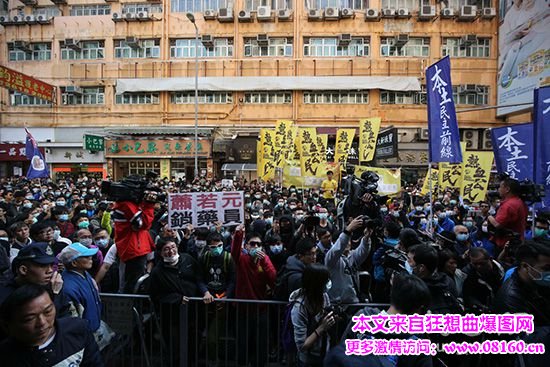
(171, 259)
(200, 243)
(329, 285)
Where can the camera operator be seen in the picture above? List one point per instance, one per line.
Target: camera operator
(511, 216)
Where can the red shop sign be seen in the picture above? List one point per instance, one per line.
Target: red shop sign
(14, 152)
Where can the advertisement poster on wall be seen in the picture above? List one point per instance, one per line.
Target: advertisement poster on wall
(524, 50)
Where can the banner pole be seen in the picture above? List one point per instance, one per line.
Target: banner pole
(430, 222)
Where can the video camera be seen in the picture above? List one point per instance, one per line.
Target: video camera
(528, 190)
(132, 188)
(393, 262)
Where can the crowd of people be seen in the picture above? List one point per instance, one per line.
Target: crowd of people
(63, 243)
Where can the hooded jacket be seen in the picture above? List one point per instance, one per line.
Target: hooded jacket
(444, 297)
(294, 268)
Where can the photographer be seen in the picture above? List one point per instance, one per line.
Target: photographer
(511, 217)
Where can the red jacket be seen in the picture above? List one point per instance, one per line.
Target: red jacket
(131, 243)
(512, 215)
(253, 278)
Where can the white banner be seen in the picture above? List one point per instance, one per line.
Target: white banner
(205, 209)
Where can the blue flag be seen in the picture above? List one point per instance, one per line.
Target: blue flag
(38, 167)
(444, 142)
(513, 150)
(542, 140)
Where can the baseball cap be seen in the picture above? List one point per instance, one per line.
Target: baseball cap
(38, 252)
(74, 251)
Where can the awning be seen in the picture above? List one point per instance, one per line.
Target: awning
(239, 167)
(267, 83)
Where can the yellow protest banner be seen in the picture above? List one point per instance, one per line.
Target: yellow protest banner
(389, 182)
(450, 175)
(368, 134)
(322, 143)
(266, 169)
(426, 186)
(283, 139)
(309, 154)
(477, 169)
(292, 175)
(294, 155)
(344, 138)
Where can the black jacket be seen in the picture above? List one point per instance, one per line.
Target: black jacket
(444, 297)
(479, 292)
(73, 344)
(170, 284)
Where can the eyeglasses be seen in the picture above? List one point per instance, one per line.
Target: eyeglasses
(255, 243)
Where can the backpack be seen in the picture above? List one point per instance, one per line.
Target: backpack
(280, 293)
(226, 260)
(287, 332)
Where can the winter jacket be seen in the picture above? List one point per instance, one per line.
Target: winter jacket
(81, 290)
(170, 284)
(253, 278)
(294, 269)
(132, 243)
(479, 292)
(444, 298)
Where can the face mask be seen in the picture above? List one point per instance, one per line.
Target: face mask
(83, 225)
(60, 203)
(423, 221)
(6, 239)
(276, 249)
(86, 242)
(102, 242)
(383, 210)
(395, 213)
(469, 224)
(27, 205)
(299, 217)
(543, 280)
(452, 202)
(292, 207)
(450, 213)
(269, 220)
(462, 237)
(329, 285)
(29, 197)
(216, 251)
(92, 192)
(419, 208)
(56, 234)
(254, 217)
(64, 217)
(172, 259)
(67, 194)
(323, 215)
(34, 220)
(539, 232)
(258, 196)
(391, 241)
(253, 251)
(442, 215)
(427, 208)
(466, 207)
(200, 243)
(281, 203)
(485, 229)
(435, 220)
(266, 202)
(408, 267)
(91, 203)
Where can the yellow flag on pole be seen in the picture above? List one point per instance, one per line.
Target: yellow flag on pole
(368, 134)
(266, 171)
(426, 186)
(450, 174)
(283, 139)
(344, 138)
(477, 169)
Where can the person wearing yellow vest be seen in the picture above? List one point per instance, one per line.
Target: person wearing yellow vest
(329, 187)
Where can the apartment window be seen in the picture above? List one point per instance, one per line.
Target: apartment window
(141, 7)
(412, 47)
(460, 47)
(337, 97)
(140, 49)
(398, 4)
(137, 98)
(252, 5)
(322, 47)
(204, 97)
(4, 6)
(471, 94)
(24, 51)
(281, 47)
(47, 11)
(185, 48)
(19, 99)
(397, 97)
(95, 9)
(83, 96)
(322, 4)
(457, 4)
(268, 97)
(84, 50)
(197, 6)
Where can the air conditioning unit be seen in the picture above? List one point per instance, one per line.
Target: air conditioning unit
(73, 89)
(263, 12)
(427, 12)
(332, 13)
(130, 17)
(18, 19)
(59, 2)
(346, 13)
(225, 15)
(133, 42)
(4, 19)
(284, 14)
(403, 13)
(43, 19)
(143, 15)
(424, 135)
(29, 2)
(401, 39)
(209, 14)
(117, 17)
(315, 14)
(468, 39)
(29, 19)
(488, 13)
(244, 16)
(22, 45)
(471, 138)
(486, 141)
(388, 13)
(344, 39)
(467, 13)
(72, 44)
(262, 39)
(447, 13)
(207, 40)
(372, 15)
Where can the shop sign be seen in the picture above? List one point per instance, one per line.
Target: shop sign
(156, 148)
(25, 84)
(15, 152)
(408, 158)
(73, 155)
(386, 145)
(94, 143)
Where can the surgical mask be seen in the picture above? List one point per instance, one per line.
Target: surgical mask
(391, 241)
(449, 213)
(258, 196)
(423, 221)
(27, 205)
(84, 225)
(539, 232)
(60, 203)
(200, 243)
(64, 217)
(269, 220)
(299, 217)
(292, 207)
(466, 207)
(408, 267)
(281, 203)
(56, 234)
(383, 210)
(461, 237)
(323, 215)
(34, 220)
(253, 251)
(216, 251)
(29, 197)
(171, 259)
(266, 202)
(419, 208)
(92, 203)
(86, 242)
(543, 280)
(395, 213)
(485, 229)
(102, 242)
(254, 217)
(329, 285)
(92, 192)
(428, 207)
(57, 193)
(442, 215)
(469, 224)
(276, 249)
(453, 202)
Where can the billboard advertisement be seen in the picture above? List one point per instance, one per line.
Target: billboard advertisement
(524, 52)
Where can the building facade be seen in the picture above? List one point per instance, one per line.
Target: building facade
(259, 61)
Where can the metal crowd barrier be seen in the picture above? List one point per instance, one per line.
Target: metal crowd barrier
(227, 332)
